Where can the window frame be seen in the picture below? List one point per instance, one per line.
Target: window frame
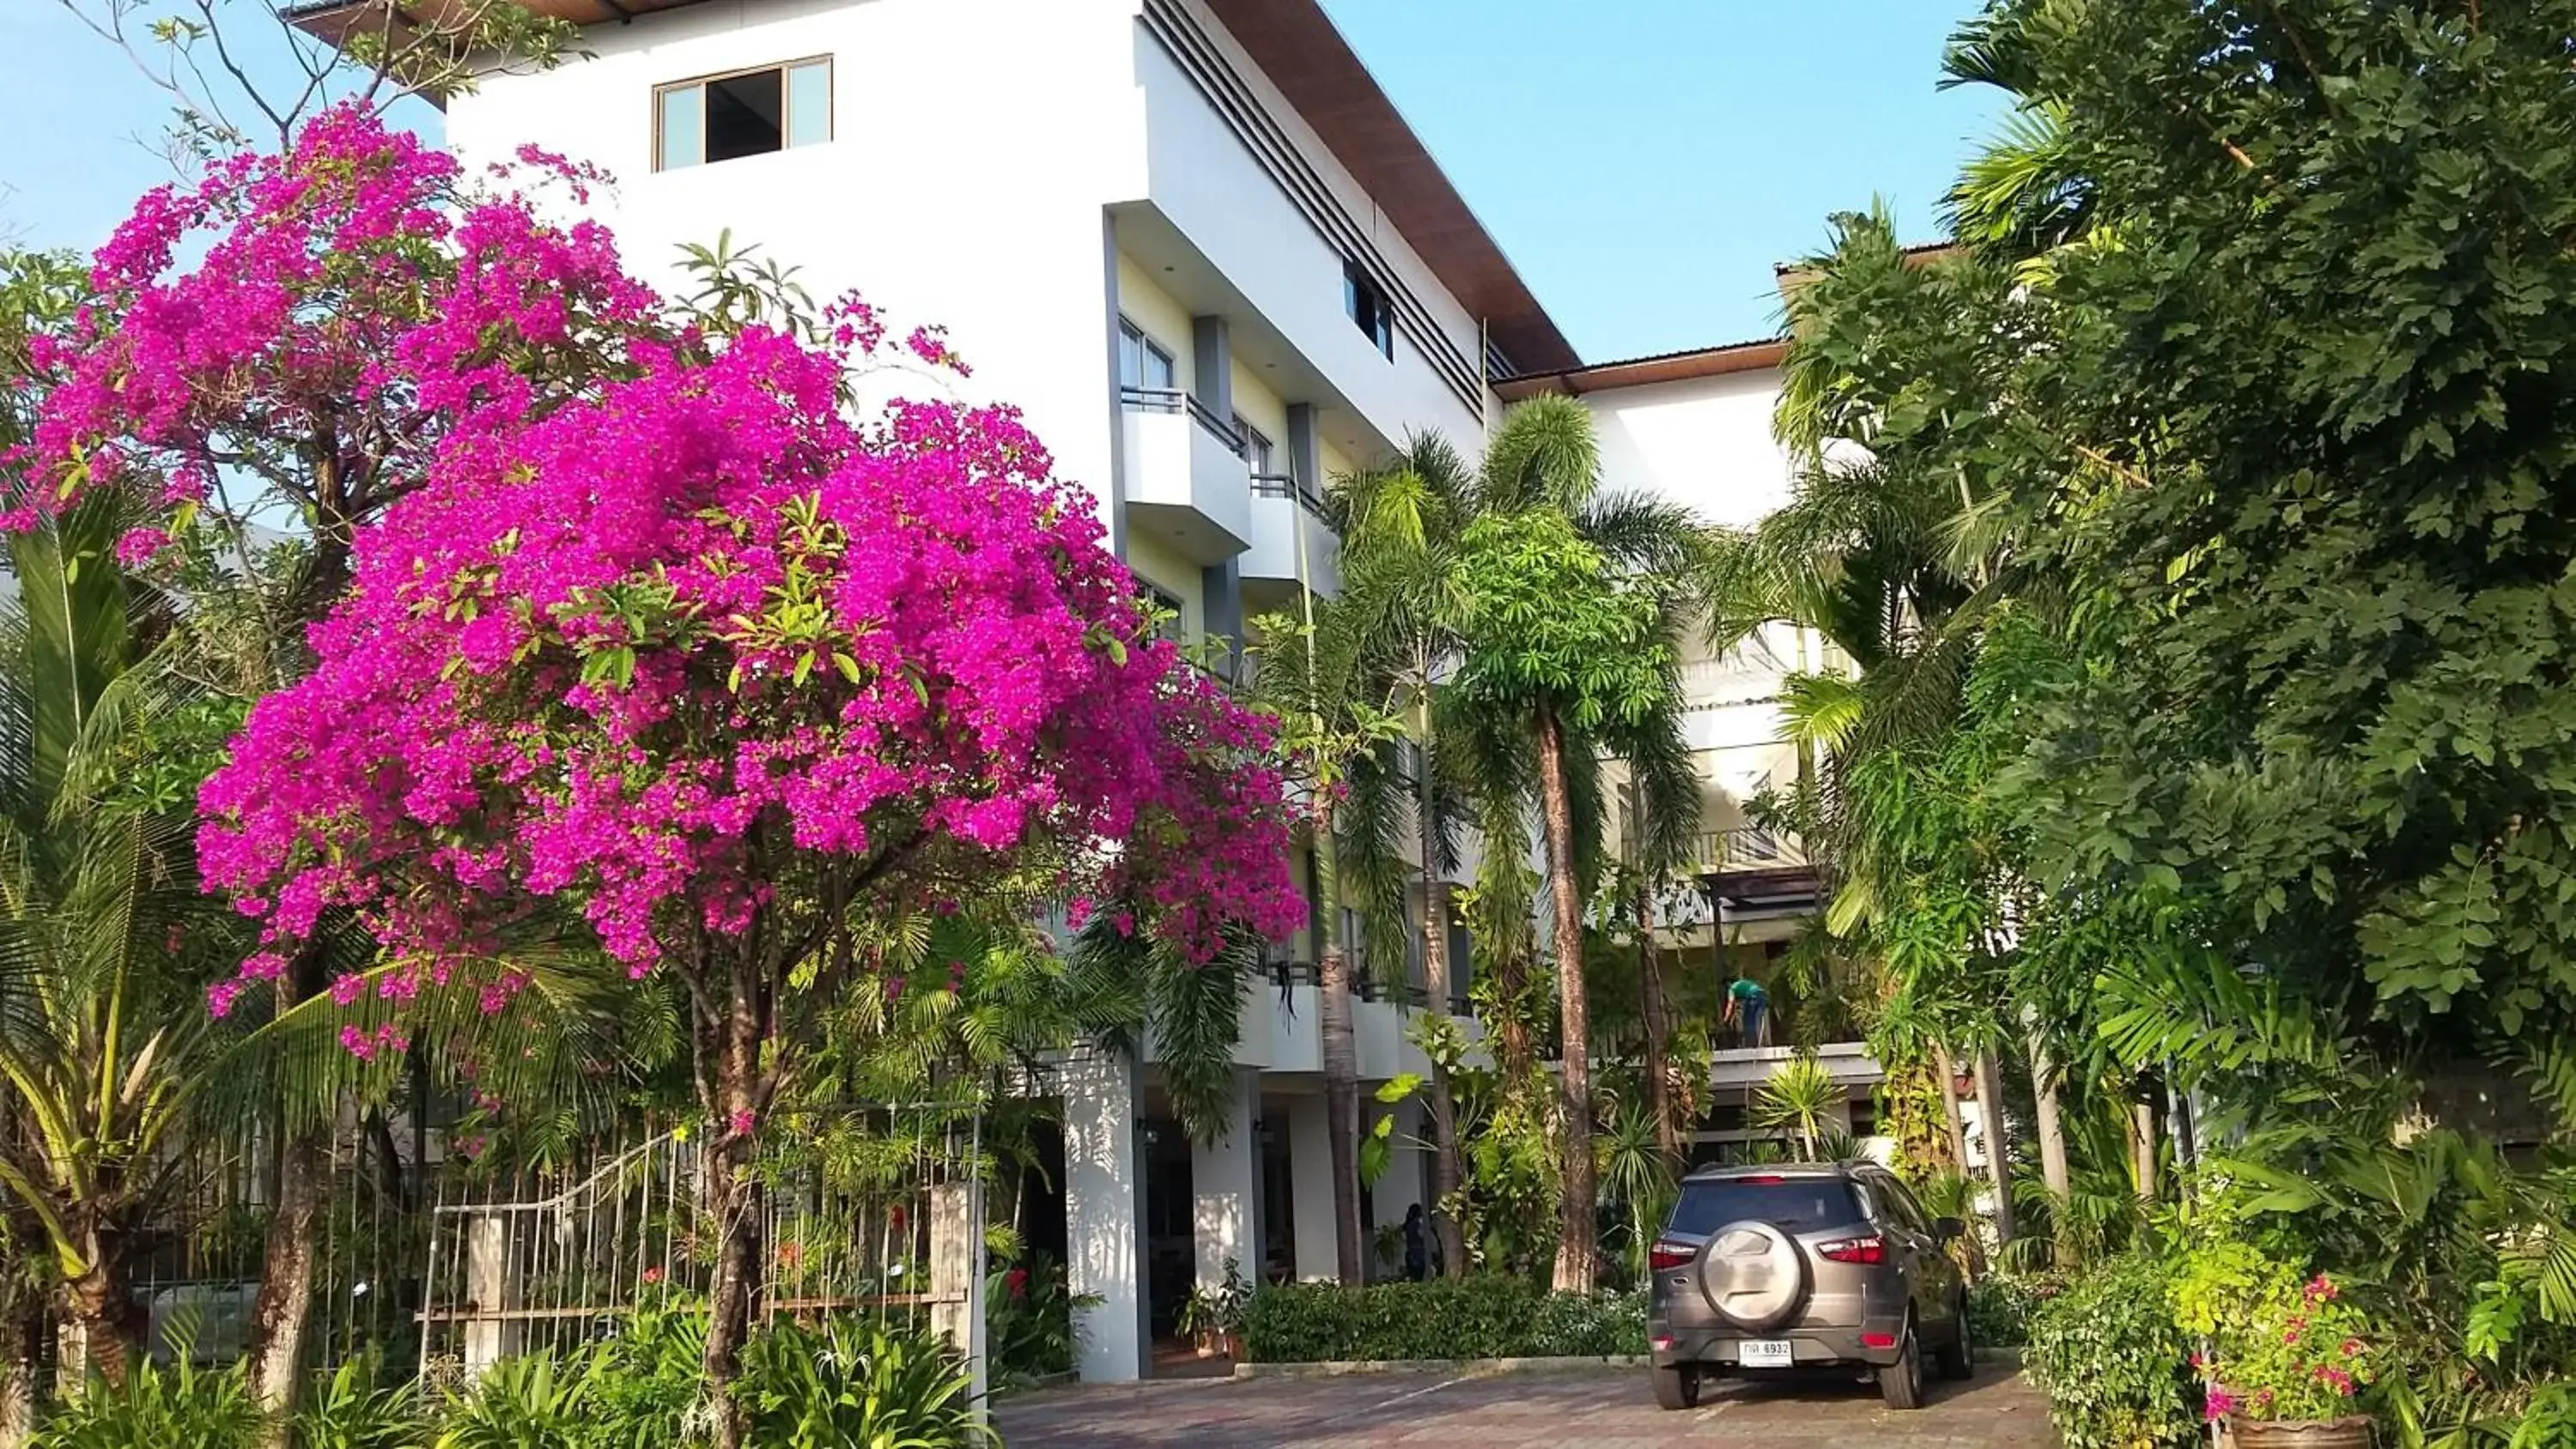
(1379, 326)
(831, 107)
(1147, 347)
(1259, 453)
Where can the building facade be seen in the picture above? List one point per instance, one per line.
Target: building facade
(1196, 245)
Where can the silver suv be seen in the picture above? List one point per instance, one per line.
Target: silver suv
(1803, 1266)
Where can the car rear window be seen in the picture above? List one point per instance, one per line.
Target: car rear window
(1796, 1203)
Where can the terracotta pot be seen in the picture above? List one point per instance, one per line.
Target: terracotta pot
(2350, 1432)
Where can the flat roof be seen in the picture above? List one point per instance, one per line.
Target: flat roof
(1298, 48)
(1696, 362)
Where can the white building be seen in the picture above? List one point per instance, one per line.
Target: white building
(1194, 241)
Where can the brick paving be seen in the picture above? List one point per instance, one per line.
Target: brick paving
(1599, 1409)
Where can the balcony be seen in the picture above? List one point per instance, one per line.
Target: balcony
(1756, 875)
(1291, 544)
(1186, 480)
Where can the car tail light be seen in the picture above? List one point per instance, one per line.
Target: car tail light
(1878, 1340)
(1661, 1343)
(1773, 1180)
(1871, 1249)
(1670, 1253)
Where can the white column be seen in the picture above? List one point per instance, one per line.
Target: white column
(1400, 1187)
(487, 1293)
(1104, 1217)
(1225, 1185)
(1310, 1190)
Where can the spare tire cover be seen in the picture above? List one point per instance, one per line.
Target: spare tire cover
(1753, 1275)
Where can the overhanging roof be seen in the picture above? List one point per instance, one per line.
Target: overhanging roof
(1645, 371)
(1296, 46)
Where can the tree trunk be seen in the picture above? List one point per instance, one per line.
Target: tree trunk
(274, 1352)
(2052, 1146)
(1950, 1108)
(1576, 1257)
(730, 1202)
(275, 1356)
(18, 1379)
(1990, 1121)
(734, 1098)
(1659, 1031)
(92, 1344)
(2142, 1142)
(1446, 1172)
(1342, 1112)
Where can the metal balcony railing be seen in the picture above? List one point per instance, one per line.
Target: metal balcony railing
(1281, 485)
(1749, 848)
(1174, 400)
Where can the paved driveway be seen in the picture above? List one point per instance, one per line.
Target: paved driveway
(1600, 1409)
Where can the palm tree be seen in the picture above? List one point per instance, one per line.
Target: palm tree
(106, 1047)
(1315, 672)
(1400, 528)
(1567, 655)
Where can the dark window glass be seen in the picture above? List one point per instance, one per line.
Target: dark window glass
(1799, 1204)
(744, 116)
(1368, 308)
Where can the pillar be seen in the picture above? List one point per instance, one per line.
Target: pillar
(1225, 1184)
(957, 1274)
(1104, 1213)
(1402, 1185)
(487, 1292)
(1310, 1186)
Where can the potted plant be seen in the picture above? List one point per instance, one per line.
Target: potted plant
(2288, 1358)
(1227, 1307)
(1197, 1320)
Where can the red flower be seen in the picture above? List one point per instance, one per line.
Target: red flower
(652, 1276)
(1017, 1281)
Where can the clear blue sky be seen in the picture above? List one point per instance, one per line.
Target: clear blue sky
(1643, 162)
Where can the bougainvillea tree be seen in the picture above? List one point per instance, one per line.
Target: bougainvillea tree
(635, 627)
(735, 676)
(282, 346)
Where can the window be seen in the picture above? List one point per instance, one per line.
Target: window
(1801, 1203)
(1143, 363)
(1171, 625)
(1256, 448)
(747, 113)
(1368, 308)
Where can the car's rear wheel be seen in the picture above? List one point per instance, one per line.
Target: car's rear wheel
(1677, 1387)
(1900, 1384)
(1958, 1358)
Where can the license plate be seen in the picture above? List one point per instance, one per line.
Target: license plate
(1764, 1353)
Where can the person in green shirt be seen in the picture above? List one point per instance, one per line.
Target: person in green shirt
(1748, 1008)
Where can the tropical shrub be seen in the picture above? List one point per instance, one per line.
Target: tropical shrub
(534, 1401)
(853, 1383)
(2000, 1306)
(1488, 1316)
(2283, 1349)
(1028, 1320)
(354, 1408)
(177, 1405)
(2112, 1361)
(647, 1380)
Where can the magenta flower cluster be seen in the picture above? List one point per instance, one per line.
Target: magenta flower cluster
(355, 288)
(652, 645)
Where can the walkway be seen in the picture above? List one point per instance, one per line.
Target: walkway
(1600, 1409)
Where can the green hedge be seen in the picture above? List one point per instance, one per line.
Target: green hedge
(2114, 1365)
(1482, 1317)
(2000, 1306)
